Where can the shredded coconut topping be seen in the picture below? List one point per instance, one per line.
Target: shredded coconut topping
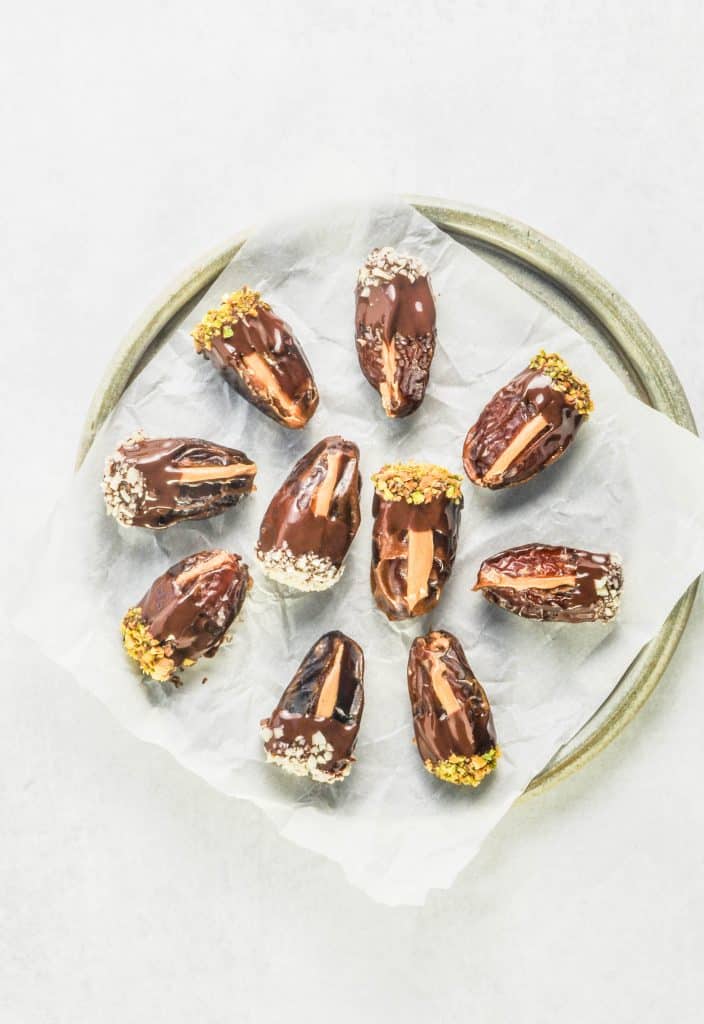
(124, 488)
(307, 572)
(383, 265)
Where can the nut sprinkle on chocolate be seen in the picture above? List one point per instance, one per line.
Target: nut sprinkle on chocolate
(416, 511)
(259, 356)
(313, 518)
(452, 720)
(555, 584)
(395, 328)
(156, 482)
(186, 613)
(383, 265)
(527, 425)
(313, 729)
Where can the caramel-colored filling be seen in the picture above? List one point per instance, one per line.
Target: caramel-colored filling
(266, 383)
(492, 578)
(442, 688)
(328, 693)
(322, 499)
(389, 388)
(525, 435)
(217, 559)
(198, 474)
(420, 564)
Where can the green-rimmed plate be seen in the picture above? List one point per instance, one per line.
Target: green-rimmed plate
(569, 288)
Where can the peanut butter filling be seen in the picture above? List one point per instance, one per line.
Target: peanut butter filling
(419, 565)
(216, 560)
(492, 578)
(266, 384)
(328, 693)
(389, 390)
(525, 435)
(443, 690)
(198, 474)
(322, 499)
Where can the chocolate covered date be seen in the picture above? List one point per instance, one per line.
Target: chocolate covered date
(156, 482)
(312, 519)
(313, 729)
(416, 511)
(527, 425)
(395, 328)
(454, 730)
(556, 584)
(258, 355)
(186, 613)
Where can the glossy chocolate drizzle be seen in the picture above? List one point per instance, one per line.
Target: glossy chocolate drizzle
(316, 509)
(394, 522)
(395, 332)
(572, 585)
(313, 729)
(451, 713)
(527, 396)
(178, 478)
(191, 606)
(264, 362)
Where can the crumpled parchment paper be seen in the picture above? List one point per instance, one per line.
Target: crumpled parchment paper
(632, 483)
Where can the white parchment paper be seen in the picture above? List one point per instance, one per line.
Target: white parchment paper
(632, 483)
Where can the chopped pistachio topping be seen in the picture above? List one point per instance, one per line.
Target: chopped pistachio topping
(465, 771)
(417, 483)
(576, 391)
(152, 657)
(219, 322)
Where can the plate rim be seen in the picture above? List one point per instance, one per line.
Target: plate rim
(645, 360)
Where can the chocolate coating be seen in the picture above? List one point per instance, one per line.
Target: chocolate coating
(510, 417)
(305, 738)
(413, 551)
(258, 355)
(569, 585)
(156, 482)
(186, 612)
(313, 518)
(395, 336)
(452, 719)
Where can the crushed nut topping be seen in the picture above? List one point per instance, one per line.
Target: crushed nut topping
(576, 391)
(465, 771)
(609, 587)
(383, 265)
(417, 483)
(124, 487)
(308, 572)
(153, 658)
(218, 322)
(301, 758)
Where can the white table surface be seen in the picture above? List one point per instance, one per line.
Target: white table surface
(138, 138)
